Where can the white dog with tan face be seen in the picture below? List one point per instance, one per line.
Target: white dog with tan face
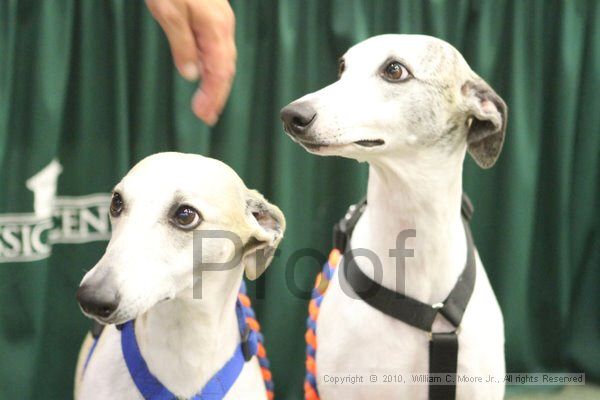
(411, 107)
(147, 274)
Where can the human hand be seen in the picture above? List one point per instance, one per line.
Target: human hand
(201, 34)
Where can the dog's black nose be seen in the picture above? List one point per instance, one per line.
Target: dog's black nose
(98, 302)
(298, 117)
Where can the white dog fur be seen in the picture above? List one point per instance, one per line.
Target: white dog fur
(414, 133)
(148, 265)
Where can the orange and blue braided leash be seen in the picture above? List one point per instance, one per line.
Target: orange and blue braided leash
(261, 354)
(321, 284)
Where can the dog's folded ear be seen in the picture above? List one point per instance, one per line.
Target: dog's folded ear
(268, 225)
(487, 122)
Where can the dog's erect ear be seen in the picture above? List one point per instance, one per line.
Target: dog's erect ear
(268, 224)
(487, 122)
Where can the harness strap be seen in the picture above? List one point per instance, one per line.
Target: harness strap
(443, 347)
(215, 389)
(443, 353)
(147, 384)
(218, 386)
(342, 231)
(405, 308)
(458, 299)
(96, 331)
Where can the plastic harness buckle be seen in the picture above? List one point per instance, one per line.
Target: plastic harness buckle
(342, 231)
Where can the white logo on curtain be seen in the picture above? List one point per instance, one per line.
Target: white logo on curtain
(55, 219)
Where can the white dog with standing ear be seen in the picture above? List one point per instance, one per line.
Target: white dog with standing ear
(147, 274)
(411, 107)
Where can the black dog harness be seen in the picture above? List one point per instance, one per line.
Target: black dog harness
(443, 346)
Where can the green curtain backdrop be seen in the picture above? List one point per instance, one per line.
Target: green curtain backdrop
(91, 84)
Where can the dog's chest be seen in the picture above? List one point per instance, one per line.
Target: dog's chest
(353, 338)
(107, 376)
(368, 339)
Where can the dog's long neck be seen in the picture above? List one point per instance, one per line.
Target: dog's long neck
(185, 341)
(412, 194)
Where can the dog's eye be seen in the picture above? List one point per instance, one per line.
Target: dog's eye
(396, 72)
(186, 217)
(341, 67)
(116, 205)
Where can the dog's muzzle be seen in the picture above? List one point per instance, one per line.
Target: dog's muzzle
(297, 118)
(97, 302)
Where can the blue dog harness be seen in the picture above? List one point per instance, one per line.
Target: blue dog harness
(218, 386)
